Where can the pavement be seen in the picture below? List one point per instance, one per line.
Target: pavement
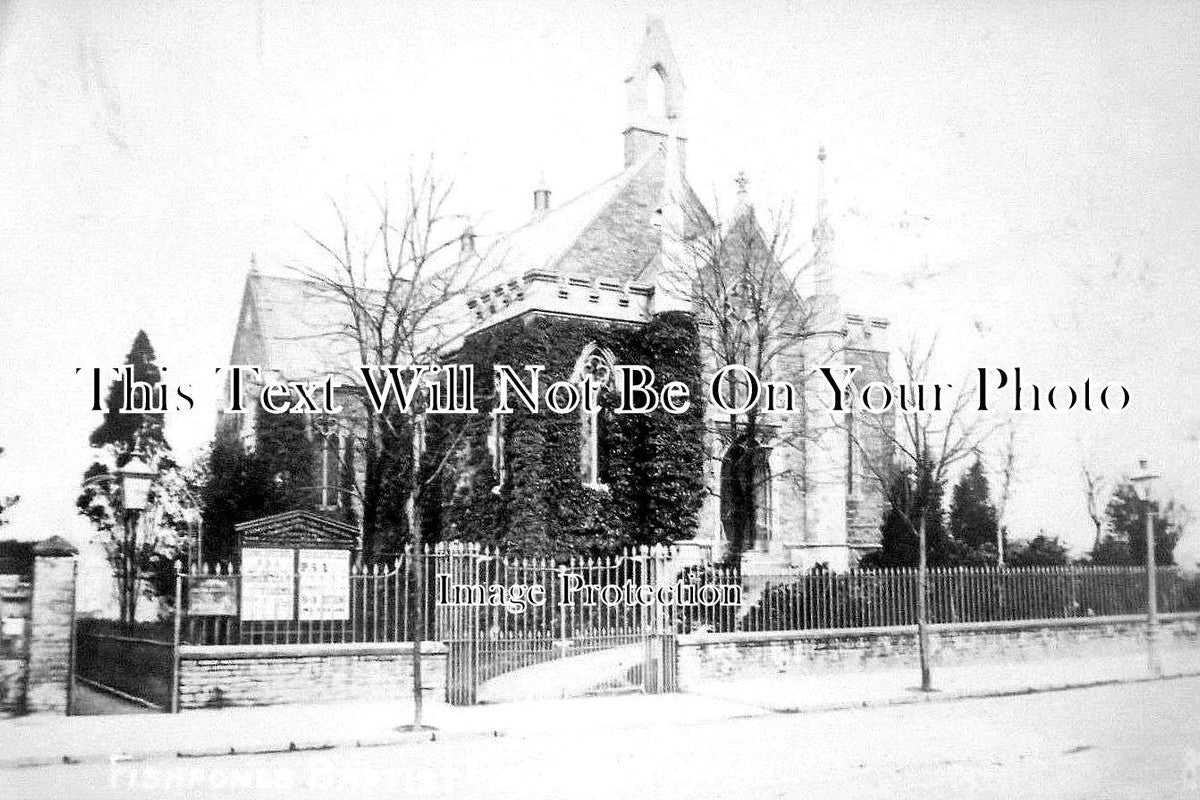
(40, 740)
(89, 702)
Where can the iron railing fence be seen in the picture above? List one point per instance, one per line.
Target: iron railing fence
(470, 591)
(527, 605)
(888, 597)
(543, 597)
(375, 605)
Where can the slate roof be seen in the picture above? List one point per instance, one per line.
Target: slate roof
(610, 232)
(290, 325)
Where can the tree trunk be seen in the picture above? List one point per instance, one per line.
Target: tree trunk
(128, 579)
(370, 491)
(922, 609)
(119, 573)
(418, 571)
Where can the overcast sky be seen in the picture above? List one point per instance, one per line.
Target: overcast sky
(1022, 179)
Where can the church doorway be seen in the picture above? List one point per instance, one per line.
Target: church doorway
(746, 497)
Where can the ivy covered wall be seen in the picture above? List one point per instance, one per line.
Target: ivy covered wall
(650, 464)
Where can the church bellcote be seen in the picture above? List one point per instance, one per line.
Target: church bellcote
(654, 96)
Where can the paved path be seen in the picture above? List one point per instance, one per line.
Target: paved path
(45, 739)
(89, 702)
(1123, 741)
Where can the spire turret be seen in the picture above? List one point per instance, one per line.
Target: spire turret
(822, 234)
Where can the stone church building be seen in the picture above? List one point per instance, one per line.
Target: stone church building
(603, 279)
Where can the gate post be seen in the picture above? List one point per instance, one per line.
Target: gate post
(461, 632)
(659, 671)
(51, 650)
(176, 637)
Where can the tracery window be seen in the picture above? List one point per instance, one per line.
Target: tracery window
(496, 445)
(330, 461)
(593, 373)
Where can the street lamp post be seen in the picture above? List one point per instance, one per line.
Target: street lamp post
(135, 477)
(1144, 481)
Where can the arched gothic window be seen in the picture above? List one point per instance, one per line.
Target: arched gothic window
(747, 498)
(329, 441)
(656, 92)
(593, 374)
(496, 446)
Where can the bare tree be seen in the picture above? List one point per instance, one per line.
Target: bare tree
(924, 447)
(1008, 469)
(739, 277)
(401, 282)
(401, 279)
(1096, 491)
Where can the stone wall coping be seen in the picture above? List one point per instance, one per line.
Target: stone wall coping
(762, 637)
(193, 652)
(55, 547)
(117, 637)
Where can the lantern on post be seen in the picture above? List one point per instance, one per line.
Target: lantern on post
(1144, 482)
(135, 480)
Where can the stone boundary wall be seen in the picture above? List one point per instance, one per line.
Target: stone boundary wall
(251, 675)
(706, 657)
(255, 675)
(51, 627)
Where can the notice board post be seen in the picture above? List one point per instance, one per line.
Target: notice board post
(295, 575)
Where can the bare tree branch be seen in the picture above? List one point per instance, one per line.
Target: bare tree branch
(401, 275)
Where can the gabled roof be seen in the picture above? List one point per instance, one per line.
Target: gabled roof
(297, 529)
(612, 232)
(292, 326)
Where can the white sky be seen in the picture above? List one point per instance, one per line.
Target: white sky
(145, 152)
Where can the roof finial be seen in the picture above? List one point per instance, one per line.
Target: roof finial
(742, 182)
(822, 200)
(253, 264)
(822, 234)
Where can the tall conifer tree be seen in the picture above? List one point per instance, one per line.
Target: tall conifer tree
(149, 555)
(973, 519)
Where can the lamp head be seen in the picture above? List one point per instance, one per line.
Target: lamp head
(136, 477)
(1144, 479)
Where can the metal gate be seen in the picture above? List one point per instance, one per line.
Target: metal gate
(15, 599)
(522, 627)
(136, 663)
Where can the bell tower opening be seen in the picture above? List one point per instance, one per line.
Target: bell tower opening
(656, 92)
(654, 96)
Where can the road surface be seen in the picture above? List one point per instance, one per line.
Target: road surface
(1135, 741)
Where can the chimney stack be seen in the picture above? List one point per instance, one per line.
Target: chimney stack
(467, 243)
(541, 199)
